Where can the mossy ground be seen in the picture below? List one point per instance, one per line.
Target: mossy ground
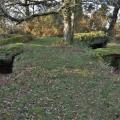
(15, 39)
(56, 81)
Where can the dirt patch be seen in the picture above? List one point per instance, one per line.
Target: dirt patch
(4, 79)
(69, 48)
(77, 50)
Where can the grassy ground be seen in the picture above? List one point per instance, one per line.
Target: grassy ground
(52, 81)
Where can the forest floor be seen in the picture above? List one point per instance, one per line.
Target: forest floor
(56, 81)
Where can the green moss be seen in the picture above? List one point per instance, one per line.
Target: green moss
(16, 39)
(101, 52)
(10, 50)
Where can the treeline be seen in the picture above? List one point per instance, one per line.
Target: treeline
(64, 17)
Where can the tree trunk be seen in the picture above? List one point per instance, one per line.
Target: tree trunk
(78, 14)
(72, 25)
(71, 18)
(113, 21)
(27, 12)
(69, 21)
(68, 27)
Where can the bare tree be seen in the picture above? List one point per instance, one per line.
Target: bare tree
(22, 10)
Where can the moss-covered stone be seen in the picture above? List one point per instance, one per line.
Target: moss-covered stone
(7, 56)
(11, 50)
(101, 52)
(111, 55)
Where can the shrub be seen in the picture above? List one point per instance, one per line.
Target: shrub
(88, 37)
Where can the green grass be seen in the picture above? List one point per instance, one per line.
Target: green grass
(56, 81)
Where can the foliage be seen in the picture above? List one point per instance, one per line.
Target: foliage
(44, 26)
(98, 21)
(84, 24)
(88, 37)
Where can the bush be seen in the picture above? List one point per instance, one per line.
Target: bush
(16, 39)
(88, 37)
